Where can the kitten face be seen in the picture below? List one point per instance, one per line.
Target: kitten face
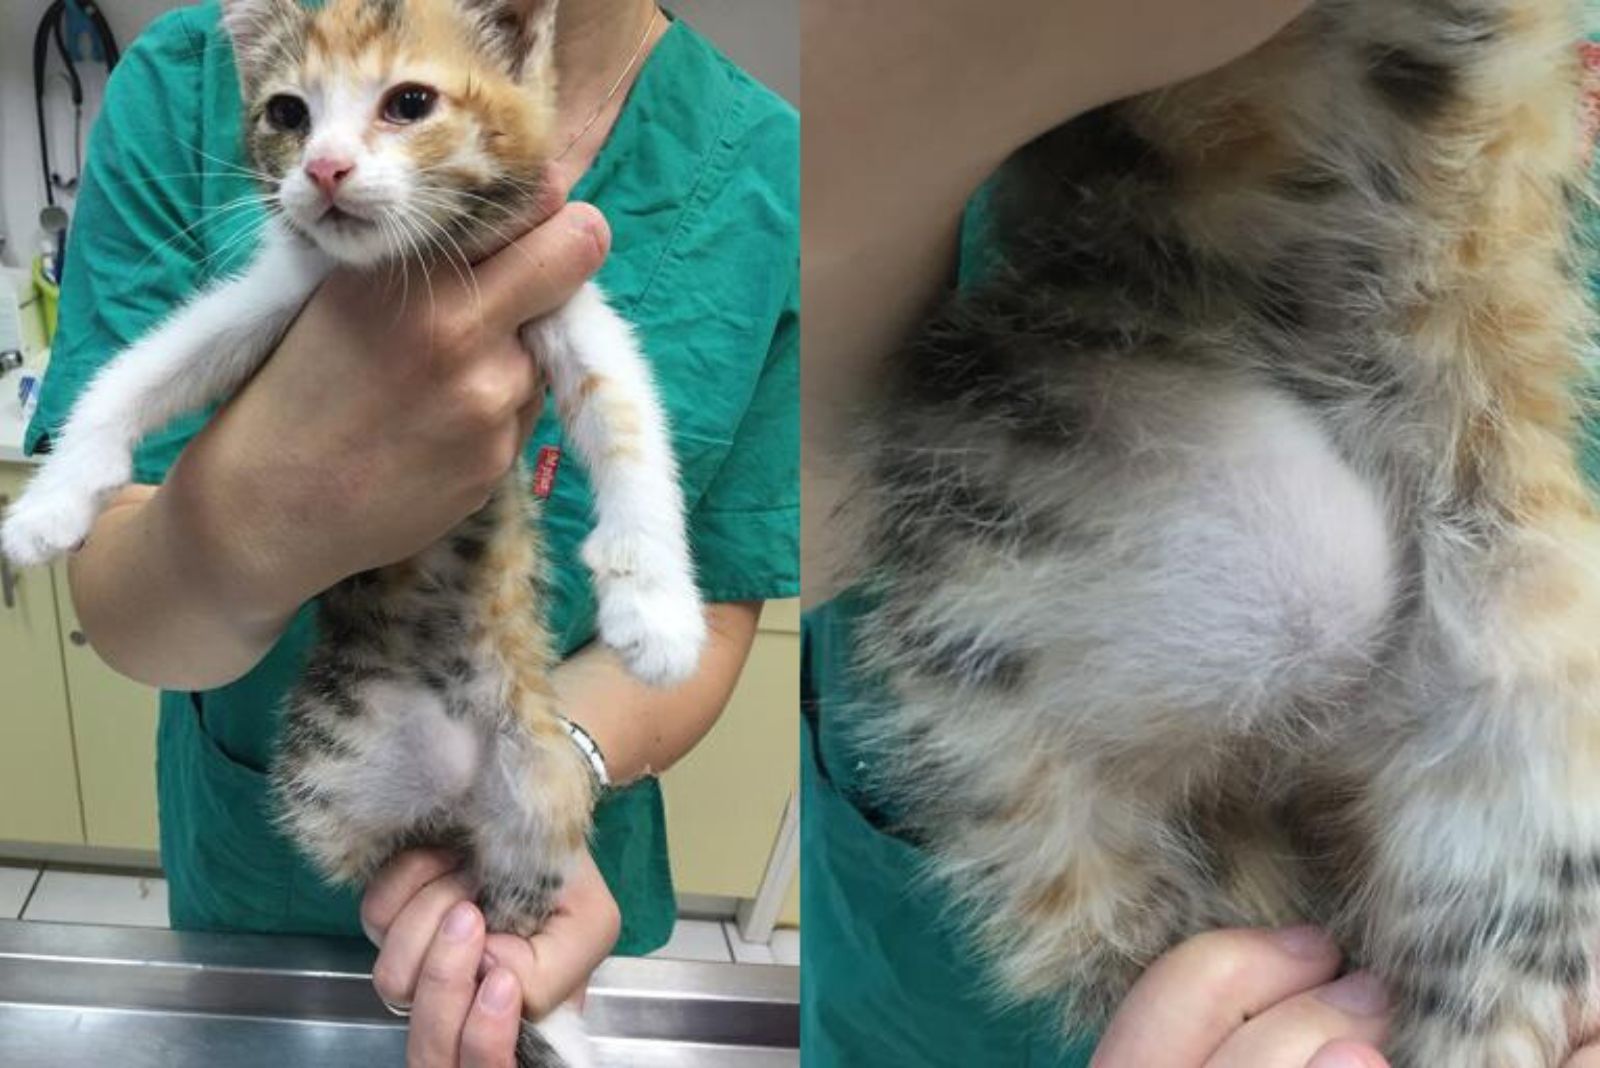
(389, 129)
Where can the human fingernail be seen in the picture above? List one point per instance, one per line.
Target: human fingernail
(592, 225)
(1359, 992)
(498, 993)
(460, 922)
(1307, 941)
(1339, 1057)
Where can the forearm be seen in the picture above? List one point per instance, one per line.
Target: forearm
(135, 588)
(893, 152)
(172, 587)
(643, 730)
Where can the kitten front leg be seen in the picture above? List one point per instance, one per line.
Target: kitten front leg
(650, 610)
(201, 354)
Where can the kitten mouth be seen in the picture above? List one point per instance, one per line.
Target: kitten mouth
(337, 216)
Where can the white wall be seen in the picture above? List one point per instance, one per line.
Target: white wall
(762, 35)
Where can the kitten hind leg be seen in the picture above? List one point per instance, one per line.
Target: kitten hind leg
(650, 610)
(1484, 934)
(528, 818)
(1482, 908)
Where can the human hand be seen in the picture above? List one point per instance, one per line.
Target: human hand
(1255, 999)
(384, 417)
(467, 991)
(1249, 999)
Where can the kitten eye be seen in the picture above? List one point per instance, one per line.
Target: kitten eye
(409, 103)
(288, 113)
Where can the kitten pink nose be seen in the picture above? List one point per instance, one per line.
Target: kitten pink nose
(328, 172)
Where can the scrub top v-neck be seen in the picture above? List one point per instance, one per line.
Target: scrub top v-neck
(699, 182)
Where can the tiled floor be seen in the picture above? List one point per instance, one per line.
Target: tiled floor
(141, 901)
(81, 897)
(697, 940)
(15, 886)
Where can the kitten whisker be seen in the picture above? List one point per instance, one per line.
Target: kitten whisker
(407, 231)
(463, 268)
(394, 235)
(230, 165)
(238, 240)
(458, 212)
(216, 214)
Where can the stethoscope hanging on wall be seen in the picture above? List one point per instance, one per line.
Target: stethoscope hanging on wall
(64, 18)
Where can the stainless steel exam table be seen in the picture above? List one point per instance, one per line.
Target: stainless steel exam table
(134, 998)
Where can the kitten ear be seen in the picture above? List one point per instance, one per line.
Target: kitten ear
(263, 32)
(521, 33)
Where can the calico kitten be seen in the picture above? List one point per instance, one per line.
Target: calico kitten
(1231, 559)
(388, 130)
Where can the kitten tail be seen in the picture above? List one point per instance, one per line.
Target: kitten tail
(560, 1040)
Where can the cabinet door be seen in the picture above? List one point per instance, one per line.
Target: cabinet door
(114, 725)
(725, 800)
(38, 776)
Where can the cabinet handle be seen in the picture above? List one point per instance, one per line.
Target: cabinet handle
(78, 638)
(9, 579)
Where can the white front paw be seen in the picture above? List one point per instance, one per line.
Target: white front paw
(650, 611)
(43, 524)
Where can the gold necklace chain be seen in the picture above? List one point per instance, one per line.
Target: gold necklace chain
(644, 39)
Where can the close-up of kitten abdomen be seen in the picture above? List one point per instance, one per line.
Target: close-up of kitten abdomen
(1223, 555)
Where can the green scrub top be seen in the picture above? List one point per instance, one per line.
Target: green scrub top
(699, 180)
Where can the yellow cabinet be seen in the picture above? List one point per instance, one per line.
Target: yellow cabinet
(114, 722)
(38, 775)
(725, 800)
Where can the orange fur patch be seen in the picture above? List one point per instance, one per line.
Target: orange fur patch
(430, 42)
(510, 622)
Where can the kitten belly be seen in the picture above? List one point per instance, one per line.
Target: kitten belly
(425, 717)
(1081, 678)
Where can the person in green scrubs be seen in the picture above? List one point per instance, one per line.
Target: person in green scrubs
(198, 579)
(894, 213)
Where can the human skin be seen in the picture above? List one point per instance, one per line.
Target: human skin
(908, 108)
(1255, 999)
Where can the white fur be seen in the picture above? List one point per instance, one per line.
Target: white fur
(413, 762)
(202, 353)
(1236, 571)
(650, 610)
(565, 1031)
